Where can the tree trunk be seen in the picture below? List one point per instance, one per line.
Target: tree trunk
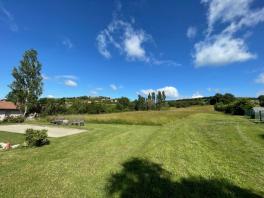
(25, 111)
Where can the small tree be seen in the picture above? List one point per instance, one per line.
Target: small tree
(27, 85)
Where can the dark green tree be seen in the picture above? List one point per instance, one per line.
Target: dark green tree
(153, 98)
(163, 97)
(261, 100)
(27, 85)
(159, 100)
(228, 98)
(140, 103)
(122, 103)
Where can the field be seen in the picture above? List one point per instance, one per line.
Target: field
(191, 152)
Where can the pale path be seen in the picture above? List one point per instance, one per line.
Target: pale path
(52, 131)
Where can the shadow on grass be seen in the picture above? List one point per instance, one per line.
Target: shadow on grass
(142, 178)
(262, 136)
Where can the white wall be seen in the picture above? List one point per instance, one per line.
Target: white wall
(4, 113)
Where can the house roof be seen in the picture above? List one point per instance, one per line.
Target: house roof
(7, 105)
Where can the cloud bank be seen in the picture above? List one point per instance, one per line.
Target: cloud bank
(222, 45)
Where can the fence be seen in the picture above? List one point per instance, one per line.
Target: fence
(257, 115)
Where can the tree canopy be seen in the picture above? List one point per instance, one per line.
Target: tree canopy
(27, 85)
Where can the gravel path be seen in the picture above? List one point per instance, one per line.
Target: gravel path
(52, 131)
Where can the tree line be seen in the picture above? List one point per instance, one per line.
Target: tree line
(230, 104)
(27, 87)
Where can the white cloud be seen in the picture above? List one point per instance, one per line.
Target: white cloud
(45, 77)
(259, 93)
(99, 89)
(170, 92)
(67, 43)
(70, 83)
(214, 90)
(124, 37)
(7, 18)
(221, 50)
(128, 40)
(224, 47)
(102, 45)
(113, 87)
(225, 11)
(72, 77)
(191, 32)
(94, 93)
(197, 95)
(50, 96)
(146, 92)
(133, 45)
(249, 20)
(260, 78)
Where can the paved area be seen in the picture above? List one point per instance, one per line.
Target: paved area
(52, 131)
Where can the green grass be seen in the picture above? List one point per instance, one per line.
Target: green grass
(13, 138)
(191, 152)
(135, 118)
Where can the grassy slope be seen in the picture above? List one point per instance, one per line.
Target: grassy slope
(202, 152)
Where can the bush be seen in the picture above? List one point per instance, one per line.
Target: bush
(239, 107)
(14, 119)
(36, 137)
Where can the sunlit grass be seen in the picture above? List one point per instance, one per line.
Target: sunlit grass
(203, 153)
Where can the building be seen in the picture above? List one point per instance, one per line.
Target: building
(8, 109)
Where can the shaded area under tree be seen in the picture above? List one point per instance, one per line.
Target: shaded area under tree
(142, 178)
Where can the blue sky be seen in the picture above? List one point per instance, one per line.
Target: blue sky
(124, 48)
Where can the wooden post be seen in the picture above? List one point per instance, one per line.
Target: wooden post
(260, 118)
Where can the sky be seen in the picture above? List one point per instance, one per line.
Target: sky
(115, 48)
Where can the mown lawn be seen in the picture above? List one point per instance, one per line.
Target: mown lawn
(191, 152)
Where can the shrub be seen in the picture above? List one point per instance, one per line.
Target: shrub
(14, 119)
(239, 107)
(36, 137)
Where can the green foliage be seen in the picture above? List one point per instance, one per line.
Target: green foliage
(14, 119)
(225, 99)
(50, 106)
(122, 104)
(261, 100)
(27, 85)
(188, 102)
(239, 107)
(36, 137)
(140, 103)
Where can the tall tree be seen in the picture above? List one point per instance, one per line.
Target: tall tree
(149, 102)
(27, 85)
(153, 97)
(159, 100)
(140, 103)
(163, 97)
